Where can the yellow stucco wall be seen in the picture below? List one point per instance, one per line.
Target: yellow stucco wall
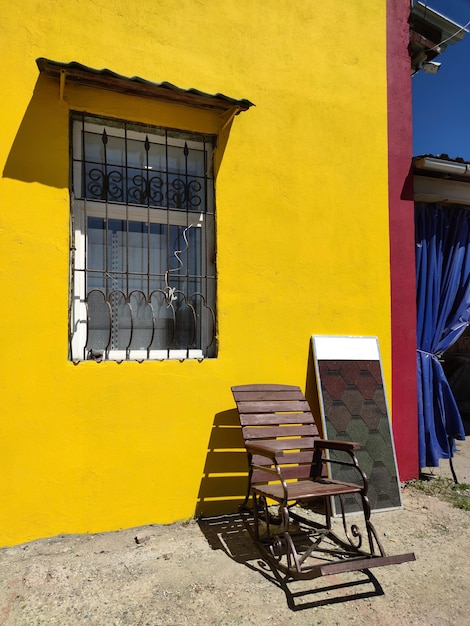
(302, 240)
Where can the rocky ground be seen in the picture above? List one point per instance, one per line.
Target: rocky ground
(208, 572)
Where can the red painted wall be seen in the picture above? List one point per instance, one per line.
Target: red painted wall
(402, 247)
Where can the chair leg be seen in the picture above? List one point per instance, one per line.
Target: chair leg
(354, 535)
(328, 512)
(244, 504)
(256, 517)
(258, 504)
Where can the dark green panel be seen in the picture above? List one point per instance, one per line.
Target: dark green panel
(354, 408)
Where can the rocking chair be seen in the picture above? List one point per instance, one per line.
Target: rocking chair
(288, 467)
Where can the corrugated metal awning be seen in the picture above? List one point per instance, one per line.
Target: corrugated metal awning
(106, 79)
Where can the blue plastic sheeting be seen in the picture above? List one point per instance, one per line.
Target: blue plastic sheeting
(443, 309)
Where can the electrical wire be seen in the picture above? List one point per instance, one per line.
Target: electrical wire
(452, 36)
(170, 291)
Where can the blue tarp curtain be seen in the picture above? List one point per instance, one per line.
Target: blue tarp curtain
(443, 310)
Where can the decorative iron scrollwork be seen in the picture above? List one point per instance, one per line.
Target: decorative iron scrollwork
(143, 189)
(114, 320)
(184, 194)
(105, 186)
(146, 190)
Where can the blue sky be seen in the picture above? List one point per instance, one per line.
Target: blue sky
(441, 102)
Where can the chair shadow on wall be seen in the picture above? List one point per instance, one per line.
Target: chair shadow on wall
(225, 478)
(223, 487)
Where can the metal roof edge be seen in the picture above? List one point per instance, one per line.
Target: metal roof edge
(107, 79)
(452, 32)
(430, 165)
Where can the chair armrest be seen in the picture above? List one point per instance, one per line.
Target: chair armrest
(342, 446)
(262, 450)
(346, 446)
(270, 452)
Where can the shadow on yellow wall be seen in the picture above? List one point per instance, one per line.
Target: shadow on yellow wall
(39, 152)
(312, 394)
(224, 481)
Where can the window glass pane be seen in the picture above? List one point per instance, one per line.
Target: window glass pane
(138, 247)
(96, 243)
(96, 280)
(158, 249)
(99, 325)
(164, 325)
(142, 322)
(176, 160)
(157, 158)
(185, 334)
(195, 251)
(117, 256)
(121, 321)
(196, 162)
(94, 148)
(137, 282)
(115, 150)
(136, 153)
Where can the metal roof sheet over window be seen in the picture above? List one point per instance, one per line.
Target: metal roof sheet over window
(106, 79)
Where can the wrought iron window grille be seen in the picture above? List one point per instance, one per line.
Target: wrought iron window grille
(143, 230)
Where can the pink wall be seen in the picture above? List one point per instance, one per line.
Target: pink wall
(402, 255)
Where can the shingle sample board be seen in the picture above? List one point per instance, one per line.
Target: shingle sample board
(353, 407)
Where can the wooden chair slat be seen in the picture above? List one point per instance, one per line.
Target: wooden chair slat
(262, 432)
(293, 457)
(306, 490)
(250, 396)
(288, 472)
(274, 406)
(280, 388)
(279, 445)
(265, 419)
(259, 476)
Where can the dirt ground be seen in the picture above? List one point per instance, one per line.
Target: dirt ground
(208, 572)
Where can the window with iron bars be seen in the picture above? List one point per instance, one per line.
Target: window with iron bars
(143, 281)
